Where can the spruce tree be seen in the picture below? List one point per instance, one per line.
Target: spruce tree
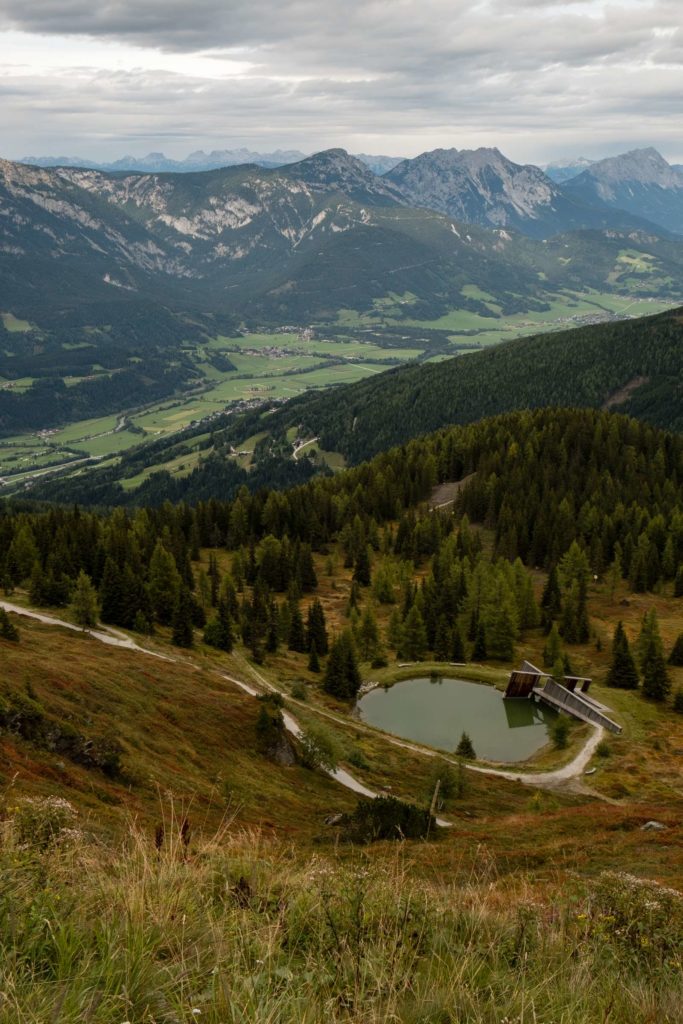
(465, 747)
(8, 631)
(112, 598)
(164, 584)
(553, 647)
(457, 645)
(414, 641)
(342, 677)
(622, 672)
(84, 602)
(367, 635)
(551, 599)
(479, 652)
(656, 681)
(361, 569)
(182, 632)
(313, 661)
(296, 641)
(676, 656)
(316, 631)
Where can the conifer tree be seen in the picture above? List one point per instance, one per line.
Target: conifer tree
(218, 632)
(479, 652)
(465, 747)
(656, 681)
(8, 631)
(361, 569)
(182, 632)
(414, 640)
(84, 602)
(296, 641)
(367, 635)
(164, 584)
(678, 582)
(622, 672)
(676, 656)
(551, 599)
(342, 677)
(553, 647)
(313, 661)
(457, 644)
(316, 630)
(112, 598)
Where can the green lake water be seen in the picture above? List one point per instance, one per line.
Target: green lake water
(435, 711)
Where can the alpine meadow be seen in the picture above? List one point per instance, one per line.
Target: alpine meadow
(341, 513)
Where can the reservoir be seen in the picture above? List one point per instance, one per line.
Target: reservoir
(436, 711)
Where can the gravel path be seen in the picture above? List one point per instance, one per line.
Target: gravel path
(557, 778)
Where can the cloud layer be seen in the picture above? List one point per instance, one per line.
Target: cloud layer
(538, 78)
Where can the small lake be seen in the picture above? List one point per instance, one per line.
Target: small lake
(435, 711)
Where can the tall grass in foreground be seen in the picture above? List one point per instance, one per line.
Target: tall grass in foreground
(242, 930)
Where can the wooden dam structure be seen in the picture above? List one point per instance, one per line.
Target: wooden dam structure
(570, 696)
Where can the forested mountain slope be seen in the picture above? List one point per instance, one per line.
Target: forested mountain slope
(633, 366)
(583, 367)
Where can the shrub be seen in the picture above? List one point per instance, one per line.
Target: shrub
(41, 821)
(299, 691)
(319, 748)
(560, 733)
(386, 817)
(603, 749)
(678, 701)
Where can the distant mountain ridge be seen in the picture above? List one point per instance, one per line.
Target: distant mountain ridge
(483, 186)
(200, 161)
(640, 182)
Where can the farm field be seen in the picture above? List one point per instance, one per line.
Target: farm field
(283, 364)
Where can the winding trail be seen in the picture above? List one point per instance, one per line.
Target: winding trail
(556, 779)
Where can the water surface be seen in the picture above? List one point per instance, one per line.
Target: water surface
(436, 711)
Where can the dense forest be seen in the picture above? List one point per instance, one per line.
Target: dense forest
(578, 492)
(584, 367)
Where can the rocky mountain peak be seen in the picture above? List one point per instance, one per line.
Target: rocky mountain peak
(645, 166)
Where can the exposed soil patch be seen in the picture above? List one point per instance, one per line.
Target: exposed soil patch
(623, 394)
(444, 495)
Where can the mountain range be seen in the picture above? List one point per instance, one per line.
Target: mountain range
(199, 161)
(122, 270)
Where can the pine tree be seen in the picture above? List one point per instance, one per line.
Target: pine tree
(313, 661)
(676, 656)
(316, 630)
(361, 569)
(465, 747)
(656, 681)
(622, 672)
(218, 632)
(442, 640)
(553, 647)
(84, 602)
(678, 583)
(164, 584)
(414, 642)
(457, 645)
(342, 678)
(296, 641)
(182, 632)
(367, 635)
(551, 599)
(8, 631)
(112, 599)
(479, 652)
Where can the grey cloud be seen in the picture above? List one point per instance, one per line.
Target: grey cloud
(417, 72)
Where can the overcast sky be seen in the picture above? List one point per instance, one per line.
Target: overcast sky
(538, 78)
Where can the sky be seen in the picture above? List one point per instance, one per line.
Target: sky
(540, 79)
